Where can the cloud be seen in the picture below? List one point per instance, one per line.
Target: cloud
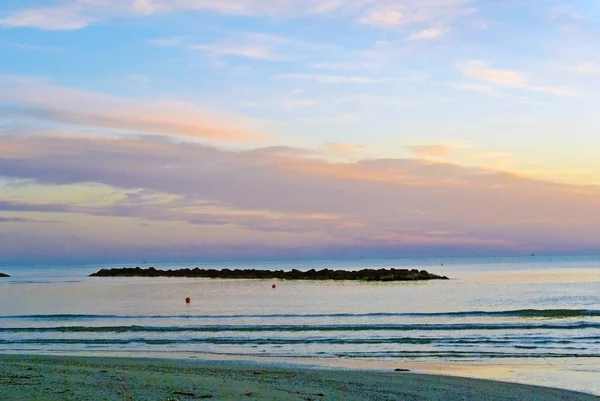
(344, 147)
(36, 48)
(491, 90)
(12, 206)
(314, 200)
(385, 19)
(60, 18)
(347, 79)
(173, 41)
(435, 150)
(43, 101)
(250, 45)
(586, 69)
(565, 14)
(345, 66)
(480, 70)
(428, 34)
(77, 14)
(253, 45)
(12, 220)
(285, 151)
(237, 7)
(259, 52)
(153, 206)
(429, 13)
(296, 103)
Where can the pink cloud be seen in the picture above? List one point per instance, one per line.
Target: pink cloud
(44, 101)
(380, 202)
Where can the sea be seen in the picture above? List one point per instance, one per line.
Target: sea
(533, 320)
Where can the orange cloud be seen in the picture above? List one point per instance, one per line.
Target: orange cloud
(437, 150)
(431, 150)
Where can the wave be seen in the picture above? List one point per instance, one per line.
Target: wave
(408, 354)
(523, 313)
(526, 344)
(312, 328)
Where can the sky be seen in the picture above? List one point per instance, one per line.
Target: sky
(287, 129)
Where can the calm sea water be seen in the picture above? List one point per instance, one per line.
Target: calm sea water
(534, 309)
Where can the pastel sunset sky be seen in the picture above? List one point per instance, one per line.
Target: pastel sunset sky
(273, 129)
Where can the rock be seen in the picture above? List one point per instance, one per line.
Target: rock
(325, 274)
(401, 370)
(4, 275)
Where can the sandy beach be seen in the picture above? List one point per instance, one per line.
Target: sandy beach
(89, 378)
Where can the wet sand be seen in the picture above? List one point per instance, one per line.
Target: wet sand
(51, 378)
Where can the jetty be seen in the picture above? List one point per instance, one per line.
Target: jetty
(324, 274)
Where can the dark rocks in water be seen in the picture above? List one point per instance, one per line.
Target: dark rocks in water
(325, 274)
(401, 370)
(4, 275)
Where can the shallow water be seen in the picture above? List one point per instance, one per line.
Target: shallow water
(529, 310)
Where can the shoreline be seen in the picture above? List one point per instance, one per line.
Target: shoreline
(108, 377)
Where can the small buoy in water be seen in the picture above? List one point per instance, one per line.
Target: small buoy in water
(188, 300)
(273, 286)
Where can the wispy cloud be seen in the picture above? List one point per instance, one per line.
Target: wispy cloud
(255, 51)
(586, 69)
(480, 70)
(348, 79)
(428, 34)
(345, 66)
(253, 45)
(490, 90)
(437, 150)
(59, 18)
(344, 147)
(173, 41)
(431, 14)
(36, 48)
(385, 19)
(22, 220)
(77, 14)
(250, 45)
(565, 13)
(297, 103)
(40, 100)
(155, 206)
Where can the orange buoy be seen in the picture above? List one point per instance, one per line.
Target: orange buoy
(188, 300)
(273, 286)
